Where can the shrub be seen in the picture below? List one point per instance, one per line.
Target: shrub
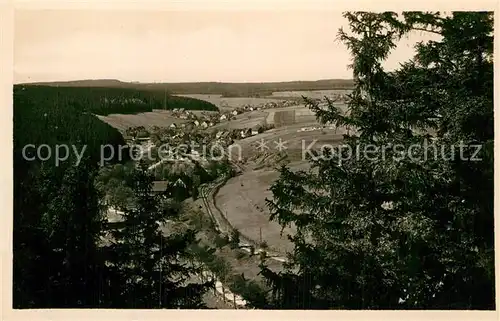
(220, 267)
(239, 255)
(250, 290)
(221, 241)
(235, 239)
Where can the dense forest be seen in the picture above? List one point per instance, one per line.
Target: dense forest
(64, 255)
(108, 100)
(55, 207)
(215, 88)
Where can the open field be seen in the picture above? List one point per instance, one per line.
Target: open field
(242, 198)
(299, 115)
(148, 120)
(310, 93)
(293, 137)
(245, 120)
(230, 103)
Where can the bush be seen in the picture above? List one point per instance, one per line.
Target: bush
(220, 267)
(239, 255)
(221, 241)
(204, 254)
(235, 239)
(250, 290)
(197, 221)
(143, 134)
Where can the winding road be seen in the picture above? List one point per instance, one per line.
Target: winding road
(223, 226)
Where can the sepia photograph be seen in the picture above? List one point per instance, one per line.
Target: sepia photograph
(253, 159)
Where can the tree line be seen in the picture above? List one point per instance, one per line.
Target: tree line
(214, 88)
(105, 101)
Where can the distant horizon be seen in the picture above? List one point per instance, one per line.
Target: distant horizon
(179, 82)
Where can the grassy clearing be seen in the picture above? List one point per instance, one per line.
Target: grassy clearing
(148, 120)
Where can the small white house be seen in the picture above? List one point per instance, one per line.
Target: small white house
(196, 123)
(235, 112)
(173, 125)
(204, 124)
(223, 117)
(179, 183)
(195, 154)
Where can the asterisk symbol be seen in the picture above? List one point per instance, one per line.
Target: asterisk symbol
(280, 145)
(262, 145)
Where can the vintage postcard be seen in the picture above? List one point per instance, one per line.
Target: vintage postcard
(255, 158)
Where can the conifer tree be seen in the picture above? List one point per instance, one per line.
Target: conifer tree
(405, 227)
(150, 265)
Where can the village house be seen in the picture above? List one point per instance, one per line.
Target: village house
(160, 186)
(128, 138)
(223, 117)
(196, 123)
(204, 124)
(256, 130)
(173, 125)
(179, 183)
(245, 132)
(235, 112)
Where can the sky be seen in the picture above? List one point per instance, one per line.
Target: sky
(184, 46)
